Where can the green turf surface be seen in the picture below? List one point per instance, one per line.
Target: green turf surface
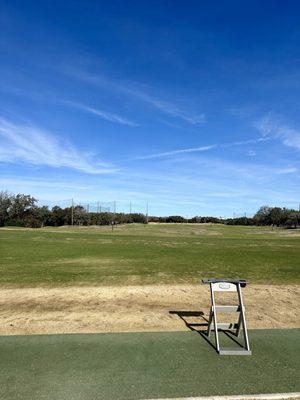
(173, 253)
(144, 365)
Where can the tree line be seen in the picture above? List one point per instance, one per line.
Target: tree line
(23, 210)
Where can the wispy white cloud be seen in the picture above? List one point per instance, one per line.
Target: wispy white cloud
(200, 149)
(175, 152)
(288, 170)
(134, 90)
(271, 127)
(32, 145)
(50, 97)
(171, 124)
(100, 113)
(170, 108)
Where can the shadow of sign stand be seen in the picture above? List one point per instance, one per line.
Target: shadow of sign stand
(230, 329)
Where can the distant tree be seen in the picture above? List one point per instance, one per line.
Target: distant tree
(175, 218)
(56, 217)
(20, 207)
(80, 216)
(293, 220)
(36, 217)
(277, 216)
(6, 200)
(239, 221)
(262, 217)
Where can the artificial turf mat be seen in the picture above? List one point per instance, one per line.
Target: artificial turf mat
(144, 365)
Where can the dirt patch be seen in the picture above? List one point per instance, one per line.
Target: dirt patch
(85, 261)
(135, 308)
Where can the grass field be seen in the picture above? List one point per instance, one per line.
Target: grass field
(138, 254)
(144, 366)
(56, 261)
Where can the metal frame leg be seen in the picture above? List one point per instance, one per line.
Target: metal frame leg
(214, 315)
(242, 315)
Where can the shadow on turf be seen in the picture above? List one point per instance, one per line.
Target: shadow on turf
(196, 327)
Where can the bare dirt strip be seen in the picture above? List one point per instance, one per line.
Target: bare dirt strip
(136, 308)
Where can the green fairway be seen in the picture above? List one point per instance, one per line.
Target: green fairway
(144, 365)
(137, 254)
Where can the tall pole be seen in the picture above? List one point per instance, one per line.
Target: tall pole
(130, 208)
(147, 209)
(97, 206)
(72, 213)
(114, 216)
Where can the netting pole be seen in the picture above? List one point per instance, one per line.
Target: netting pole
(114, 216)
(72, 213)
(147, 209)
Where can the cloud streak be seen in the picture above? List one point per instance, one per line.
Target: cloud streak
(175, 152)
(100, 113)
(200, 149)
(130, 89)
(34, 146)
(270, 127)
(169, 108)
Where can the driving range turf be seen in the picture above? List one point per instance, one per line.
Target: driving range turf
(144, 366)
(151, 254)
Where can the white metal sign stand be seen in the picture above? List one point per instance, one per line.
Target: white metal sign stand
(227, 285)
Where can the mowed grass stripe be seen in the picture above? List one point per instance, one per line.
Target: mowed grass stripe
(147, 255)
(144, 365)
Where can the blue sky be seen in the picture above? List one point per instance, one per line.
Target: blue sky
(190, 106)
